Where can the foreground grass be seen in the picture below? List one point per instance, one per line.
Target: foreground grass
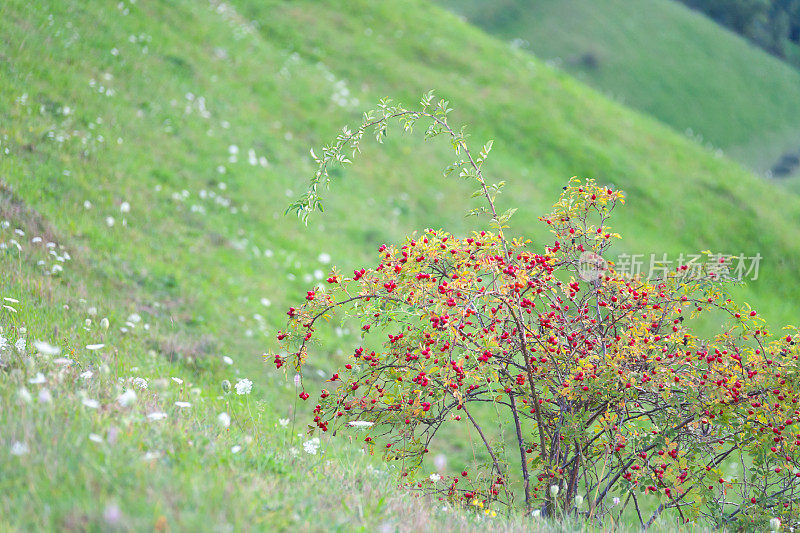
(157, 145)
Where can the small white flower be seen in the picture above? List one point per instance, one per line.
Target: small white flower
(183, 404)
(266, 302)
(236, 449)
(360, 424)
(38, 379)
(110, 221)
(227, 360)
(45, 348)
(283, 422)
(104, 323)
(311, 446)
(179, 381)
(615, 501)
(224, 420)
(435, 477)
(24, 395)
(19, 448)
(45, 396)
(87, 375)
(157, 415)
(139, 383)
(87, 204)
(536, 513)
(63, 361)
(125, 207)
(91, 404)
(324, 258)
(578, 501)
(149, 456)
(94, 346)
(94, 437)
(244, 386)
(20, 345)
(554, 490)
(126, 398)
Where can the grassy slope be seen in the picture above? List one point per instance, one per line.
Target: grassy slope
(195, 268)
(664, 59)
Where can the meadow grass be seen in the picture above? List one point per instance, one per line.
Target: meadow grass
(666, 60)
(156, 145)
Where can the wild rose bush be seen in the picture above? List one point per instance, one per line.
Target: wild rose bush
(609, 392)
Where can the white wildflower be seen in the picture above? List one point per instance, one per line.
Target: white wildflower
(179, 381)
(435, 477)
(537, 513)
(45, 348)
(224, 420)
(236, 449)
(183, 404)
(244, 386)
(227, 360)
(19, 448)
(62, 361)
(87, 374)
(126, 398)
(24, 395)
(266, 302)
(554, 490)
(139, 383)
(95, 346)
(20, 345)
(91, 404)
(311, 446)
(615, 501)
(94, 437)
(110, 221)
(149, 456)
(104, 323)
(125, 207)
(38, 379)
(283, 422)
(324, 258)
(157, 415)
(360, 424)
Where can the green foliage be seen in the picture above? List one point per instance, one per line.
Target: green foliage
(611, 392)
(771, 24)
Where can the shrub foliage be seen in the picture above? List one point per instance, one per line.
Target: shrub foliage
(608, 389)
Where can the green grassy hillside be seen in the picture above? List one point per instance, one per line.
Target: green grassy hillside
(666, 60)
(159, 142)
